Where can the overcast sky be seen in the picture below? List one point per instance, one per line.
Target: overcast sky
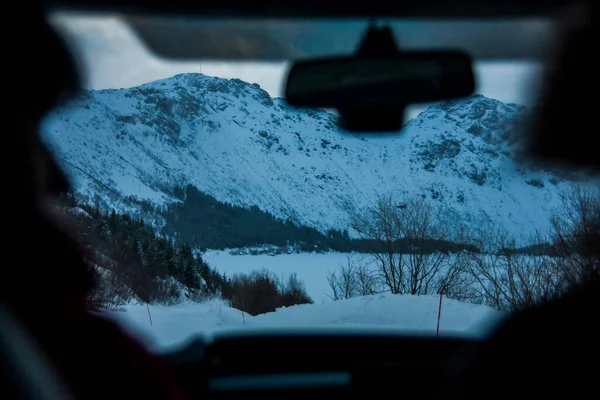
(113, 57)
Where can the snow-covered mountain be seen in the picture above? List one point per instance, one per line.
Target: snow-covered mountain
(232, 140)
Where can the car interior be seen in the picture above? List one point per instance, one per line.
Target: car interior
(287, 363)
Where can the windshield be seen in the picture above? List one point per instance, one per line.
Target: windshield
(213, 205)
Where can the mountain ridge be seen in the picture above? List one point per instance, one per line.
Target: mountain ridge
(233, 141)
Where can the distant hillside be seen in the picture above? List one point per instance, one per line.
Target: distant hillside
(232, 141)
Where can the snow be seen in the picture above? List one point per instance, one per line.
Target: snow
(311, 268)
(172, 326)
(232, 141)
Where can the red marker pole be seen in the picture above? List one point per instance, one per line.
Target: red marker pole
(149, 316)
(437, 331)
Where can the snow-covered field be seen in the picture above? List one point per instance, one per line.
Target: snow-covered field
(173, 325)
(310, 267)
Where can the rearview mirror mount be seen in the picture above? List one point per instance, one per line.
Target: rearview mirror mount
(371, 89)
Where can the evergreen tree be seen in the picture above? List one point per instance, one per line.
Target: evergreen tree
(133, 253)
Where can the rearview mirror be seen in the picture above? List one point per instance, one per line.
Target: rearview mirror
(389, 81)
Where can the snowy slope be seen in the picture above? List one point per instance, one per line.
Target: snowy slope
(231, 140)
(172, 326)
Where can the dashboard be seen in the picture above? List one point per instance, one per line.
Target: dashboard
(275, 365)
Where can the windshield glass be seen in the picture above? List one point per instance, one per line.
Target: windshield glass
(213, 205)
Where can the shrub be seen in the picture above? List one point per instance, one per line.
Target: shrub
(261, 292)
